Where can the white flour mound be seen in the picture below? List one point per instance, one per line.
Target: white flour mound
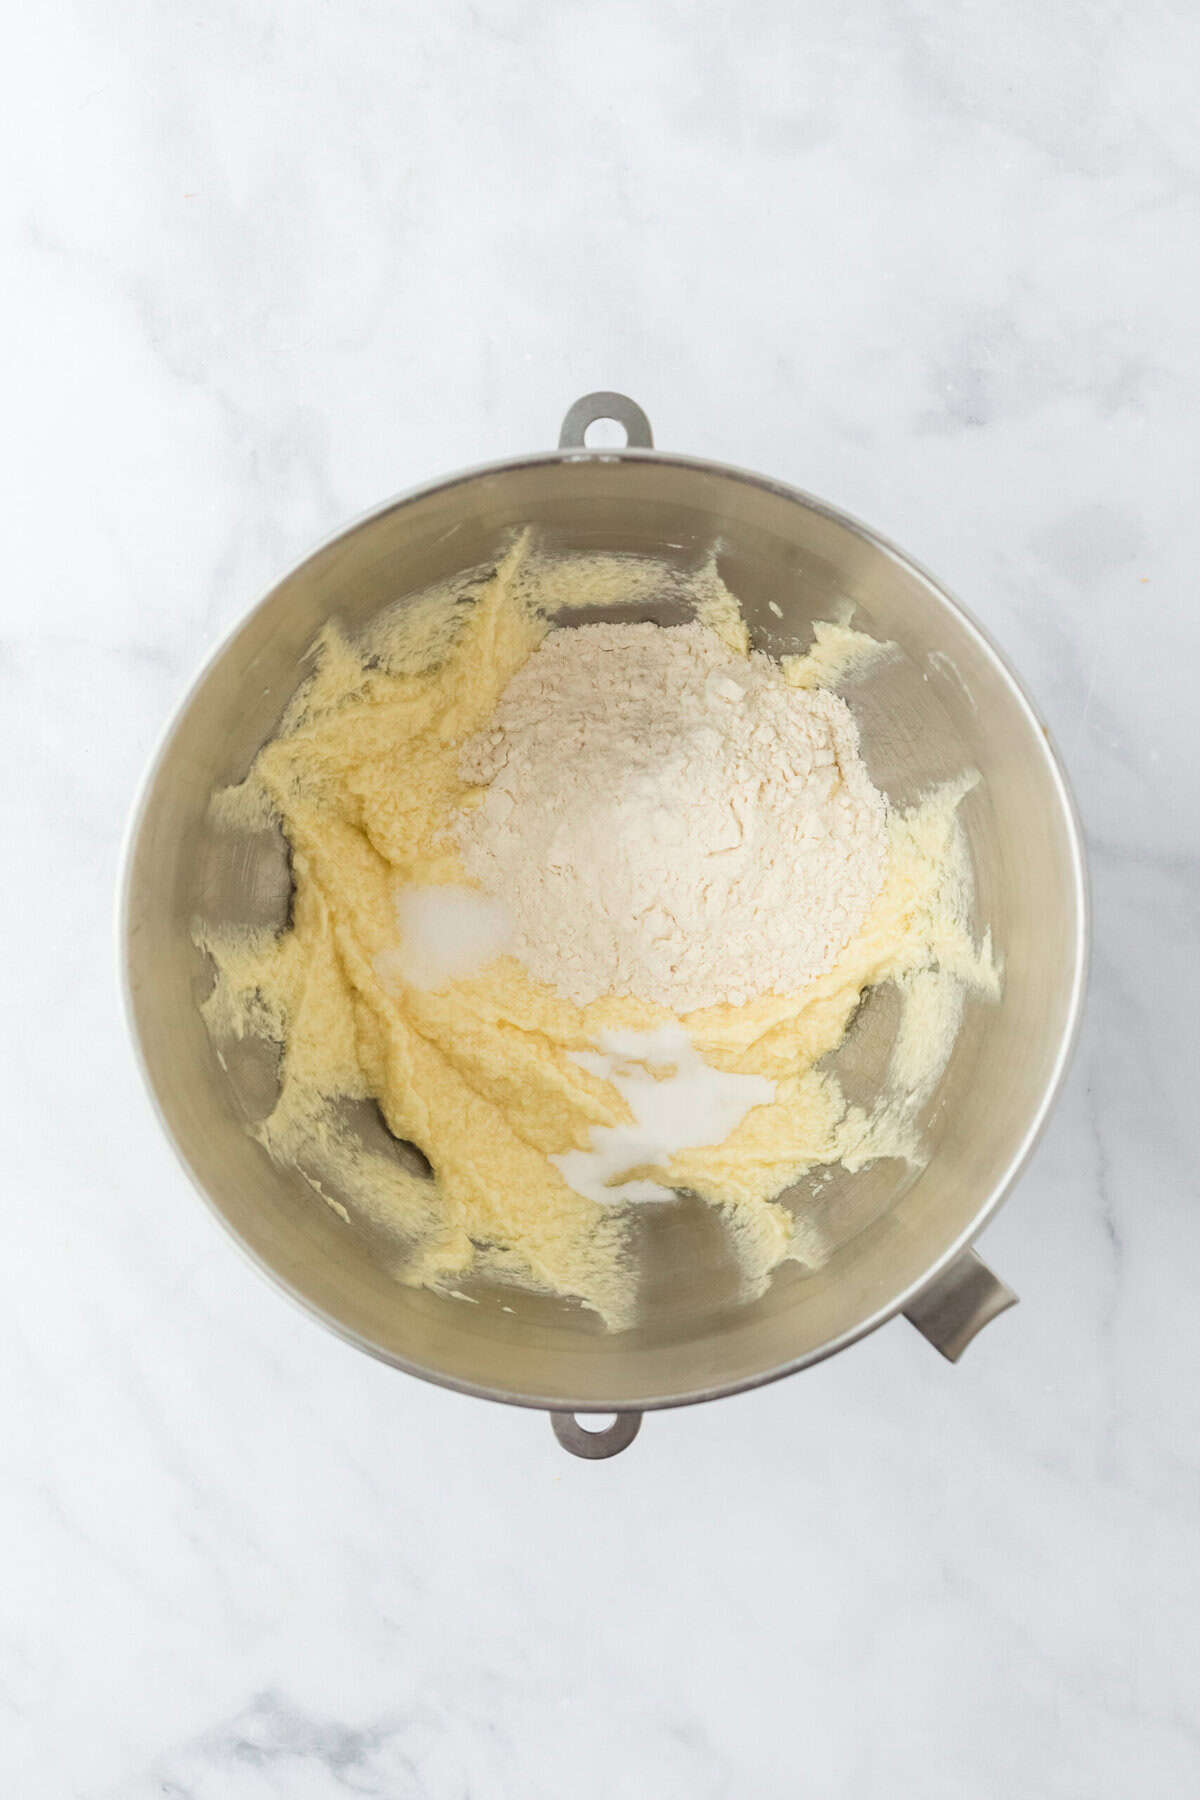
(666, 820)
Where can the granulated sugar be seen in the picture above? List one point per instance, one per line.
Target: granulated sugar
(664, 819)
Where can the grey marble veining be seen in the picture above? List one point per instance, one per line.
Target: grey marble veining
(263, 267)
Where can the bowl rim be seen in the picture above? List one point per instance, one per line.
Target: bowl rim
(1034, 1129)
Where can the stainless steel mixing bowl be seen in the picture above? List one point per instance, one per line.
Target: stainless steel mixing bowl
(896, 1240)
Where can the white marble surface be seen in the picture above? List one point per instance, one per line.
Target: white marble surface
(266, 265)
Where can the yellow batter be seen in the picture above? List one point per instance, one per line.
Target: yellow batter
(363, 776)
